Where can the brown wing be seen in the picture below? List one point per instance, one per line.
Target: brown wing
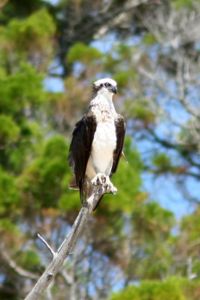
(80, 147)
(120, 132)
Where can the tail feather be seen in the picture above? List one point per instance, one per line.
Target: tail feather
(73, 185)
(86, 190)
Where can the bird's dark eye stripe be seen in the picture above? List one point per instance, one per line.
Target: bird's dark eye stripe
(107, 84)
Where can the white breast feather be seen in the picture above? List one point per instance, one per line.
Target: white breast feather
(104, 144)
(104, 141)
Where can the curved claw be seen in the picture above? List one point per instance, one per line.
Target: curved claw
(113, 190)
(101, 179)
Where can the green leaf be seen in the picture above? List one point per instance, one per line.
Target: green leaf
(149, 39)
(21, 90)
(83, 53)
(26, 35)
(9, 130)
(162, 162)
(9, 194)
(140, 109)
(28, 259)
(172, 288)
(179, 4)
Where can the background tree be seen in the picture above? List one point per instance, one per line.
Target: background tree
(50, 52)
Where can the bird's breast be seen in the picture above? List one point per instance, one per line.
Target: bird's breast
(105, 137)
(104, 143)
(104, 140)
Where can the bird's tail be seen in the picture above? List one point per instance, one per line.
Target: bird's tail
(73, 185)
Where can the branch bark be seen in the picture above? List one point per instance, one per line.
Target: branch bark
(68, 244)
(13, 265)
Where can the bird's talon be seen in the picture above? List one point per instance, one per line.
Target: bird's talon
(113, 190)
(103, 179)
(98, 180)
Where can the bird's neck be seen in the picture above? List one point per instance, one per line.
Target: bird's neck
(104, 103)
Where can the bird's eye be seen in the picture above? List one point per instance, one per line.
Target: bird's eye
(101, 85)
(107, 84)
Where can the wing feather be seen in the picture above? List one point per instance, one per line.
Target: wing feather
(80, 147)
(120, 132)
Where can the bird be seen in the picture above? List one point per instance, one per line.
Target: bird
(97, 141)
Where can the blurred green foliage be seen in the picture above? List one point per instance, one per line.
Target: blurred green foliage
(9, 131)
(26, 38)
(141, 110)
(83, 53)
(183, 3)
(172, 288)
(9, 194)
(162, 162)
(28, 259)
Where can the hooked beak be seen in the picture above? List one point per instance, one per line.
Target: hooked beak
(114, 90)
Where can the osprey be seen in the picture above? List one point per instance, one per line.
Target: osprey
(97, 140)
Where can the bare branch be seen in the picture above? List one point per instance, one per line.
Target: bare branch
(68, 244)
(68, 279)
(119, 18)
(46, 244)
(19, 270)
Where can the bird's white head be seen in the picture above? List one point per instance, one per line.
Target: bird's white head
(105, 87)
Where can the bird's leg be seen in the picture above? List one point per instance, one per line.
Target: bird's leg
(104, 180)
